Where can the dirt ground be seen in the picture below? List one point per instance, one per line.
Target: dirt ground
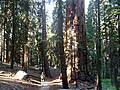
(8, 82)
(12, 84)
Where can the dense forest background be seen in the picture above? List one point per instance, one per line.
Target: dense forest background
(86, 44)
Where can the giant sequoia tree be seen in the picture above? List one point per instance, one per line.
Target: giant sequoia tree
(88, 51)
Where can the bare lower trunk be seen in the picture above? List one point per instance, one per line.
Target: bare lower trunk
(26, 56)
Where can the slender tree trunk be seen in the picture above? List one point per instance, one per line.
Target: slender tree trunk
(0, 55)
(44, 38)
(98, 48)
(23, 51)
(7, 48)
(5, 30)
(118, 56)
(61, 46)
(5, 20)
(1, 30)
(111, 52)
(119, 33)
(26, 52)
(25, 38)
(8, 30)
(30, 60)
(13, 35)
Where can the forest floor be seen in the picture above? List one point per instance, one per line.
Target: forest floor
(9, 82)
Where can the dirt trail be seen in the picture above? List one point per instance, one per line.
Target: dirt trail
(8, 83)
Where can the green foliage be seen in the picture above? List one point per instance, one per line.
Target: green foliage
(91, 31)
(109, 38)
(106, 83)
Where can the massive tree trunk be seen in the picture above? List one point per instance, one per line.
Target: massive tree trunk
(82, 46)
(75, 38)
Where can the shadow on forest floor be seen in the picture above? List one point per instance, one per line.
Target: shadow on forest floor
(8, 82)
